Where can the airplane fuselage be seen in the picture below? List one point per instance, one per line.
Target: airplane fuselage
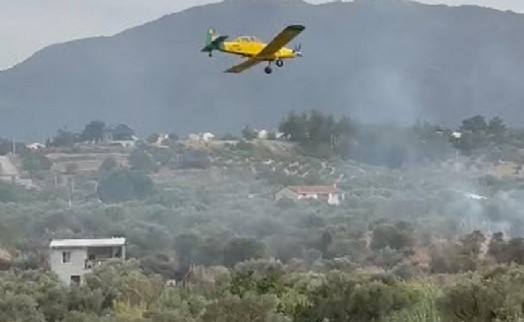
(251, 49)
(255, 50)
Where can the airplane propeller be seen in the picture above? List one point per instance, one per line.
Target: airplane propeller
(297, 51)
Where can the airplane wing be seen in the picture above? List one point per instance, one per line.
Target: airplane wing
(243, 66)
(281, 40)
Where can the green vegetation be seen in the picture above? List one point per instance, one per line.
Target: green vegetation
(35, 162)
(319, 135)
(93, 132)
(261, 290)
(122, 185)
(414, 239)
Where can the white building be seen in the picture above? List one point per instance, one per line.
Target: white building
(329, 193)
(201, 137)
(456, 135)
(35, 146)
(72, 258)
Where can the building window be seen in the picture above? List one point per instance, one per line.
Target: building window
(66, 257)
(75, 280)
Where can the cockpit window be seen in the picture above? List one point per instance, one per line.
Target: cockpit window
(247, 39)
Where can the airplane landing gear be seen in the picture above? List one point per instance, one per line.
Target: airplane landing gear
(210, 54)
(279, 62)
(268, 70)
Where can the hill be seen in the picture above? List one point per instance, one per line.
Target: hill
(375, 60)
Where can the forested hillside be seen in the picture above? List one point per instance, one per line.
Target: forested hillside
(376, 60)
(429, 229)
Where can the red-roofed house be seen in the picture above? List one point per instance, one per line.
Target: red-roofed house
(330, 193)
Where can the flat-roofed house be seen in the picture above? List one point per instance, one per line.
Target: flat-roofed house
(329, 193)
(71, 259)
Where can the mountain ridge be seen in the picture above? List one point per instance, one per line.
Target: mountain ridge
(378, 62)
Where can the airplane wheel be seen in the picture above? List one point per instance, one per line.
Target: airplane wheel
(268, 70)
(210, 54)
(279, 63)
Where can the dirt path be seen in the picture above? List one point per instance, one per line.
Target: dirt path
(7, 168)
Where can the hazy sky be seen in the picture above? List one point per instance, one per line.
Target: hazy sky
(29, 25)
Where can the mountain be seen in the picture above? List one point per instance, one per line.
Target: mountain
(376, 61)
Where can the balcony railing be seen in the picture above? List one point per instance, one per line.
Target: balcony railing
(92, 263)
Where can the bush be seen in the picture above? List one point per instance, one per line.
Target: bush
(36, 162)
(194, 159)
(241, 249)
(142, 161)
(122, 185)
(394, 236)
(108, 164)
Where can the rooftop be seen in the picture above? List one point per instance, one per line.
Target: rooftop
(102, 242)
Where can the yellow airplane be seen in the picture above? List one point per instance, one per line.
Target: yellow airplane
(254, 49)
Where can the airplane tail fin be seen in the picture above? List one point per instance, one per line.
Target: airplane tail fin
(213, 40)
(211, 35)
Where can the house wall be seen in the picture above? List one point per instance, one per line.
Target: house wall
(336, 198)
(74, 267)
(79, 256)
(308, 196)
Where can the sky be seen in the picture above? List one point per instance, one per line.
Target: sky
(27, 26)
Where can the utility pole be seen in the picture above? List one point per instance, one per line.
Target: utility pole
(71, 190)
(14, 147)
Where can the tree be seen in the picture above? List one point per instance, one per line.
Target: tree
(9, 192)
(474, 124)
(228, 137)
(496, 126)
(36, 162)
(325, 241)
(153, 138)
(185, 245)
(160, 264)
(108, 164)
(5, 146)
(319, 135)
(320, 129)
(295, 127)
(469, 142)
(250, 307)
(241, 249)
(457, 257)
(64, 138)
(162, 156)
(248, 133)
(173, 136)
(397, 236)
(121, 185)
(194, 159)
(506, 252)
(141, 160)
(93, 132)
(271, 135)
(495, 295)
(343, 297)
(345, 126)
(122, 133)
